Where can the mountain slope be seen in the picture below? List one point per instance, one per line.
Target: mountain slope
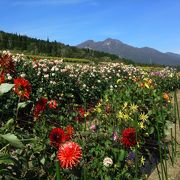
(141, 55)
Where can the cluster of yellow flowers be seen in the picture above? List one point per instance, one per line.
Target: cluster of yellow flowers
(127, 114)
(98, 107)
(127, 111)
(143, 118)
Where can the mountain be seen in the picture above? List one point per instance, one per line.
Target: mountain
(29, 45)
(140, 55)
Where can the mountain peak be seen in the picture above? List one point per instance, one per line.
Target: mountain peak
(87, 44)
(112, 40)
(90, 41)
(141, 55)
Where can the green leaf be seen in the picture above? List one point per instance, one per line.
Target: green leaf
(42, 160)
(23, 104)
(13, 140)
(9, 123)
(168, 126)
(5, 87)
(122, 155)
(151, 131)
(166, 132)
(107, 178)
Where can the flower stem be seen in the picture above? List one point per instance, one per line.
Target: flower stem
(57, 170)
(17, 109)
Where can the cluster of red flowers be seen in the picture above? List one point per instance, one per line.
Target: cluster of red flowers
(22, 87)
(6, 66)
(58, 135)
(69, 153)
(7, 63)
(129, 137)
(40, 106)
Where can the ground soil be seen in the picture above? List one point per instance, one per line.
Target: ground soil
(173, 171)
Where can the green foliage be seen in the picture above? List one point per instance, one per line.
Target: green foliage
(12, 139)
(5, 87)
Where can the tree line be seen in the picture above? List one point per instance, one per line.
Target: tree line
(25, 44)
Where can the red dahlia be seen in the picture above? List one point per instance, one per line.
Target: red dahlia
(53, 104)
(40, 106)
(129, 137)
(57, 136)
(69, 154)
(22, 87)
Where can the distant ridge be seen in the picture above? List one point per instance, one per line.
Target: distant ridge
(141, 55)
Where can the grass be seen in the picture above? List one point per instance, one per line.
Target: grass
(65, 59)
(147, 68)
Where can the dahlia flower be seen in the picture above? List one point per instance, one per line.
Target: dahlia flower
(107, 161)
(69, 155)
(129, 137)
(22, 87)
(53, 104)
(57, 136)
(166, 96)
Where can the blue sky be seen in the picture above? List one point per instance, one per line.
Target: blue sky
(152, 23)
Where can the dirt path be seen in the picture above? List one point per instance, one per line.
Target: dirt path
(173, 171)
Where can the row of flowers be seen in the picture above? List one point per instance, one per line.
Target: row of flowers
(101, 121)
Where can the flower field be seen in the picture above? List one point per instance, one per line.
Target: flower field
(85, 121)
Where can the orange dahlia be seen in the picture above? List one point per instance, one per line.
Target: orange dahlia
(69, 154)
(166, 96)
(22, 87)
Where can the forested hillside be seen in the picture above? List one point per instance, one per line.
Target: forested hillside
(35, 46)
